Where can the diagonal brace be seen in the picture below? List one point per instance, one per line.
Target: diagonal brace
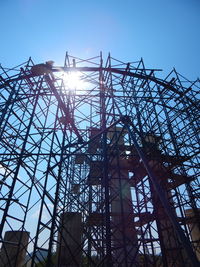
(161, 194)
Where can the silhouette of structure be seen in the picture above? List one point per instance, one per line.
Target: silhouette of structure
(14, 247)
(99, 162)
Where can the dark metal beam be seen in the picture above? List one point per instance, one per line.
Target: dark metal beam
(161, 194)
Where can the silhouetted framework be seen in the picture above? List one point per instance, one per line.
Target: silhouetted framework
(99, 165)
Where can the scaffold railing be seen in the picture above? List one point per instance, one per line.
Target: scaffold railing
(99, 165)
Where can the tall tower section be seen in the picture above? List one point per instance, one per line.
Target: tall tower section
(99, 165)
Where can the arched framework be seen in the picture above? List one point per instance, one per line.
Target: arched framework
(99, 165)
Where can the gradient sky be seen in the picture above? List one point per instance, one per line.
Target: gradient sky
(166, 33)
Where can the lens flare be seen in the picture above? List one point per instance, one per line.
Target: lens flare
(73, 80)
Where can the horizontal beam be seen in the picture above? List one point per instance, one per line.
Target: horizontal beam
(121, 71)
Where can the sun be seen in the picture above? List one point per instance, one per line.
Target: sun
(73, 80)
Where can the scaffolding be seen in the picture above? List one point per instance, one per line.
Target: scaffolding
(99, 165)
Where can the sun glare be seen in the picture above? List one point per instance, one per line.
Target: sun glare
(73, 81)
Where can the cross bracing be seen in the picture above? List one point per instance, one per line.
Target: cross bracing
(99, 172)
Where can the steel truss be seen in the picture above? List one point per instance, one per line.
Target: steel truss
(102, 174)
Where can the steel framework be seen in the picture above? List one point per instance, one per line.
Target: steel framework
(105, 173)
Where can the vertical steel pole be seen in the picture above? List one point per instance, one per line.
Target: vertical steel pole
(105, 168)
(193, 259)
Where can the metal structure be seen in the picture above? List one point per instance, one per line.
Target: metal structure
(99, 164)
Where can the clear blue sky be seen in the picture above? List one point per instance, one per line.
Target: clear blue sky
(166, 33)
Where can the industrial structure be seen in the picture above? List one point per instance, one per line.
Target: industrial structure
(99, 165)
